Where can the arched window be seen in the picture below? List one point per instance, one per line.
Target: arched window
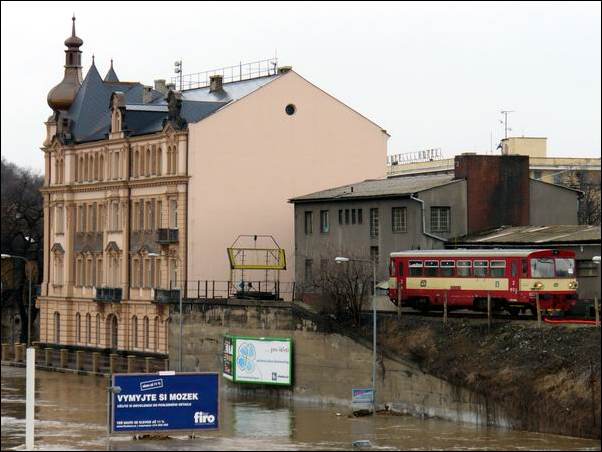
(159, 159)
(135, 164)
(97, 330)
(145, 332)
(156, 334)
(166, 333)
(112, 328)
(147, 162)
(57, 328)
(134, 332)
(101, 167)
(88, 329)
(168, 159)
(174, 164)
(56, 170)
(78, 328)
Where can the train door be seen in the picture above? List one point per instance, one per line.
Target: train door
(514, 271)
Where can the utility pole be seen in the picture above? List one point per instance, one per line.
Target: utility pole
(505, 122)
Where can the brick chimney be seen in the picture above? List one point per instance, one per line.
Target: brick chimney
(215, 83)
(497, 190)
(161, 86)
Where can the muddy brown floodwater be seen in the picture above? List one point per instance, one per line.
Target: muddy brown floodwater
(71, 410)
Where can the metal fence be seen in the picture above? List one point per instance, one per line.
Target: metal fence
(241, 71)
(250, 290)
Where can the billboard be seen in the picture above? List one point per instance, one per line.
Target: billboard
(263, 360)
(362, 399)
(164, 402)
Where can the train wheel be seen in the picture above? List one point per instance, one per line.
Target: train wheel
(513, 312)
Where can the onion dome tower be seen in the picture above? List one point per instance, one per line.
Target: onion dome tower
(62, 95)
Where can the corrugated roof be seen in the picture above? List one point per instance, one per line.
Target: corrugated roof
(379, 188)
(535, 235)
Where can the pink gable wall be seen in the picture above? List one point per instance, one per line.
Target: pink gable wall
(248, 159)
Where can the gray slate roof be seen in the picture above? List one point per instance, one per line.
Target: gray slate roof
(535, 235)
(91, 113)
(379, 188)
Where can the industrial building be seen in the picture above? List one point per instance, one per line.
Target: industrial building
(372, 218)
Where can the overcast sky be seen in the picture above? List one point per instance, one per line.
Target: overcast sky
(433, 75)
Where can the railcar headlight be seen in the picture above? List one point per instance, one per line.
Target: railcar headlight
(573, 285)
(537, 285)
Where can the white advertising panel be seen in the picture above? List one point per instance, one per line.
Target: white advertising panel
(262, 360)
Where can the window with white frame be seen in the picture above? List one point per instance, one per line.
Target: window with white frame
(399, 219)
(440, 219)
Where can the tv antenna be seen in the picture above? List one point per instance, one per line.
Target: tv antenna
(178, 70)
(505, 122)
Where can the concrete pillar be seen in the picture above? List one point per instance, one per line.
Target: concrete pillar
(95, 361)
(166, 362)
(48, 356)
(79, 360)
(112, 363)
(18, 352)
(5, 352)
(64, 358)
(131, 363)
(147, 364)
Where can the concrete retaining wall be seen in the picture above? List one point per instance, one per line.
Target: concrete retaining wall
(327, 365)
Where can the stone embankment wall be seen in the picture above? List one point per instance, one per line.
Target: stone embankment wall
(327, 365)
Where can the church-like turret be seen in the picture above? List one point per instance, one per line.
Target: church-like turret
(62, 95)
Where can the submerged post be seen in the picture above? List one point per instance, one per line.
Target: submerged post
(488, 311)
(538, 308)
(597, 311)
(445, 309)
(30, 383)
(399, 299)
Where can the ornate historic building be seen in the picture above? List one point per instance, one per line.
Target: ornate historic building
(146, 187)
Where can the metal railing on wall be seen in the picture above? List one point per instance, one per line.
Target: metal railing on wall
(212, 289)
(241, 71)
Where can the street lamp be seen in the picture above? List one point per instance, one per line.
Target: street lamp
(9, 256)
(343, 260)
(180, 303)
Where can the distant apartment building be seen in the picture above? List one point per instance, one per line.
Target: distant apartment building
(146, 187)
(372, 218)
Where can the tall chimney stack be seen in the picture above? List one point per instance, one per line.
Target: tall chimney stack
(497, 190)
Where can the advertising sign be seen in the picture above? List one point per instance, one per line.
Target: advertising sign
(361, 399)
(261, 360)
(158, 402)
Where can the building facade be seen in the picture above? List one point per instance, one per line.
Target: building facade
(146, 187)
(373, 218)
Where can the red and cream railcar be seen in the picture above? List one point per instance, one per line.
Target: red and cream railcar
(511, 277)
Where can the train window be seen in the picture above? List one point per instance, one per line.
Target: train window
(525, 267)
(498, 269)
(514, 269)
(430, 268)
(391, 267)
(480, 269)
(542, 268)
(415, 268)
(565, 268)
(447, 268)
(400, 269)
(464, 268)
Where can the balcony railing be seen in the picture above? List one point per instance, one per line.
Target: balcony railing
(167, 296)
(166, 236)
(110, 294)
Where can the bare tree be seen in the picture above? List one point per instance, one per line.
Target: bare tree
(345, 289)
(22, 228)
(589, 205)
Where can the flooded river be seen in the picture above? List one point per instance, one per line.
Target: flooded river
(71, 414)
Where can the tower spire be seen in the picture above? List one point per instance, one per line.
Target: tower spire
(111, 75)
(62, 95)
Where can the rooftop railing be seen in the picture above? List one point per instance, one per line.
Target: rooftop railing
(241, 71)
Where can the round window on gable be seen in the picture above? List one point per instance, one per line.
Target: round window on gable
(290, 109)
